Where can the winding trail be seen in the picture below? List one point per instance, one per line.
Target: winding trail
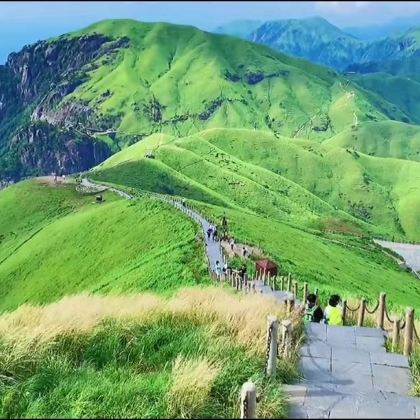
(213, 248)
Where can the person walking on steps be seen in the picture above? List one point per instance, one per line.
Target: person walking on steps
(333, 314)
(225, 269)
(313, 313)
(215, 234)
(217, 270)
(243, 251)
(209, 232)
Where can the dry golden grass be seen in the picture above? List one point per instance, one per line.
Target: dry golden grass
(192, 381)
(245, 315)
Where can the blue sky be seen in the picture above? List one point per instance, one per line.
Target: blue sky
(27, 22)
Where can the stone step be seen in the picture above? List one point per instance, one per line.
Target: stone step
(319, 402)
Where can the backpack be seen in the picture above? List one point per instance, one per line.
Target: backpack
(309, 314)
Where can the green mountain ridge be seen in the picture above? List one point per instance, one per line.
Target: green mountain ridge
(133, 79)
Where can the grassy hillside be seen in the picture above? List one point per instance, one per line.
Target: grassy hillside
(333, 262)
(381, 139)
(309, 205)
(180, 80)
(404, 92)
(297, 181)
(55, 241)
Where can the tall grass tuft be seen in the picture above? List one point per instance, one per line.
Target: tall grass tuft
(141, 355)
(192, 381)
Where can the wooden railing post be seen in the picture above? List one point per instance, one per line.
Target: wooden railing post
(361, 316)
(409, 331)
(381, 311)
(295, 289)
(282, 283)
(395, 334)
(290, 304)
(286, 337)
(272, 337)
(305, 292)
(289, 283)
(344, 311)
(248, 401)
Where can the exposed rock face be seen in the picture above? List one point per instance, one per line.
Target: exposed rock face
(45, 148)
(33, 85)
(40, 66)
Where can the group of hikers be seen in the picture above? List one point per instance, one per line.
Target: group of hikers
(332, 315)
(226, 270)
(212, 233)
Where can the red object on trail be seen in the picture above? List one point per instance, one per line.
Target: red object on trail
(266, 265)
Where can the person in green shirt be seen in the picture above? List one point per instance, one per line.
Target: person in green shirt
(333, 314)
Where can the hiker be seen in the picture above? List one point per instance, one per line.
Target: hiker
(217, 270)
(232, 244)
(225, 269)
(244, 274)
(333, 314)
(240, 274)
(313, 313)
(243, 251)
(184, 203)
(209, 232)
(215, 234)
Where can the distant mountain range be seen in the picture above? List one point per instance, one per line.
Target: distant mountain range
(319, 41)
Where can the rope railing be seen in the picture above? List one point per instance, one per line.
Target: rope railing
(353, 310)
(371, 312)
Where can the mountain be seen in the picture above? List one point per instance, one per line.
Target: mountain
(396, 55)
(69, 102)
(239, 28)
(319, 41)
(314, 39)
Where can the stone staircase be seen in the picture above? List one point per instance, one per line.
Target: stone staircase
(348, 374)
(281, 296)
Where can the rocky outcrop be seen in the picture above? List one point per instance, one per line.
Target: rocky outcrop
(40, 129)
(43, 148)
(39, 67)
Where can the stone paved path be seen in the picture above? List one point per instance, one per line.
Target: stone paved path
(348, 374)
